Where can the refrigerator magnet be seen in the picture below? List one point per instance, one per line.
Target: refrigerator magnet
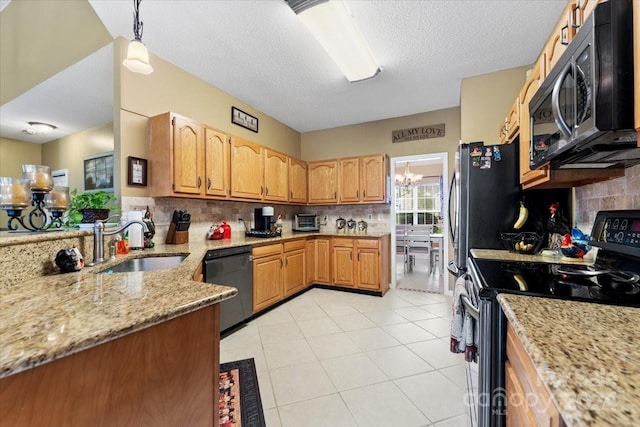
(497, 155)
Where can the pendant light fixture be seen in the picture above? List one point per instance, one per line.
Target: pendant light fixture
(407, 179)
(336, 30)
(137, 55)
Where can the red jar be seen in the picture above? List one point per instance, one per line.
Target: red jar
(226, 233)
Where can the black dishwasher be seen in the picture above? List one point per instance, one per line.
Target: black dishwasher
(232, 267)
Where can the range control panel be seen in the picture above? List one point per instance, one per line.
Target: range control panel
(617, 228)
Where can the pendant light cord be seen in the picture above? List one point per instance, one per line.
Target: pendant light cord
(137, 24)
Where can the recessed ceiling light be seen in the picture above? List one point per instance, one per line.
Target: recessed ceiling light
(37, 128)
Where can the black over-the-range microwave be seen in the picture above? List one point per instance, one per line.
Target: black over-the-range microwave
(583, 114)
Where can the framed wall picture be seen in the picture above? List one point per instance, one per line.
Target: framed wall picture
(98, 172)
(243, 119)
(136, 171)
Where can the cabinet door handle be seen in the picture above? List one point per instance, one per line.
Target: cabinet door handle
(358, 257)
(261, 190)
(266, 191)
(335, 194)
(562, 30)
(574, 16)
(199, 182)
(351, 256)
(280, 262)
(208, 183)
(357, 194)
(291, 196)
(364, 193)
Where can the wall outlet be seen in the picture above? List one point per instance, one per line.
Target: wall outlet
(238, 217)
(369, 216)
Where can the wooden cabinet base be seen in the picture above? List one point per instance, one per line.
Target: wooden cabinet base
(165, 375)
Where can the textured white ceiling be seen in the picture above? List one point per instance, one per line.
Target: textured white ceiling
(259, 52)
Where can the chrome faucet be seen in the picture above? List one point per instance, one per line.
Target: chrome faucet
(99, 233)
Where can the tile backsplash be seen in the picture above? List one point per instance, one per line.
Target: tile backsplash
(619, 193)
(204, 213)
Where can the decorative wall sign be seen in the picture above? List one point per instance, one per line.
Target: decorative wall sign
(422, 132)
(136, 171)
(98, 172)
(243, 119)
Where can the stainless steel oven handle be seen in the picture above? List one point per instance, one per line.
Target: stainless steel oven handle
(555, 103)
(473, 311)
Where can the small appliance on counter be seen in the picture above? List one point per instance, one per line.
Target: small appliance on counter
(362, 227)
(306, 222)
(341, 225)
(262, 220)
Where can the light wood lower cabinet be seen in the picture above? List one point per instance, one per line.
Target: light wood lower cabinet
(294, 267)
(165, 375)
(267, 276)
(343, 265)
(284, 269)
(278, 272)
(361, 263)
(528, 401)
(323, 260)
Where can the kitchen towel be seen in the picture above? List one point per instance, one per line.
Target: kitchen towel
(463, 325)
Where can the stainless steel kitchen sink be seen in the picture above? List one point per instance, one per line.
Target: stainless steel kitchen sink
(149, 263)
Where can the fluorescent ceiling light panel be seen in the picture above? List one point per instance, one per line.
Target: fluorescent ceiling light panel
(333, 26)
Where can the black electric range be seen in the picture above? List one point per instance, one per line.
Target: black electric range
(614, 278)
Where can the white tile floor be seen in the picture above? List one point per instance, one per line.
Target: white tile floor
(332, 358)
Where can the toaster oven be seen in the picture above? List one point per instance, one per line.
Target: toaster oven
(306, 222)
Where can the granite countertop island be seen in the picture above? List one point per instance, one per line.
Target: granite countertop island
(585, 354)
(49, 317)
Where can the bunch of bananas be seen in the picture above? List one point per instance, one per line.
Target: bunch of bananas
(521, 246)
(523, 215)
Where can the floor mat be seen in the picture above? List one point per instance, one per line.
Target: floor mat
(239, 403)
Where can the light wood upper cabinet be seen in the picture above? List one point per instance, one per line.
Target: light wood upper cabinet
(529, 177)
(297, 181)
(374, 170)
(276, 176)
(362, 179)
(323, 182)
(562, 34)
(349, 180)
(216, 161)
(177, 164)
(581, 9)
(246, 169)
(510, 129)
(187, 154)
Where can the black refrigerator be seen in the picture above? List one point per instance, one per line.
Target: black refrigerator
(485, 194)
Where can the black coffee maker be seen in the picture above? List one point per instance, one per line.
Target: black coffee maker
(262, 218)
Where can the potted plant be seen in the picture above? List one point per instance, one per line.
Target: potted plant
(90, 206)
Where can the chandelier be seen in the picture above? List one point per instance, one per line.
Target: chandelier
(407, 179)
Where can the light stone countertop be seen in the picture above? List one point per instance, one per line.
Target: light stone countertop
(586, 355)
(505, 255)
(49, 317)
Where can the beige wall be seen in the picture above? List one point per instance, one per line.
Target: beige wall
(69, 152)
(485, 101)
(170, 88)
(14, 154)
(39, 38)
(375, 137)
